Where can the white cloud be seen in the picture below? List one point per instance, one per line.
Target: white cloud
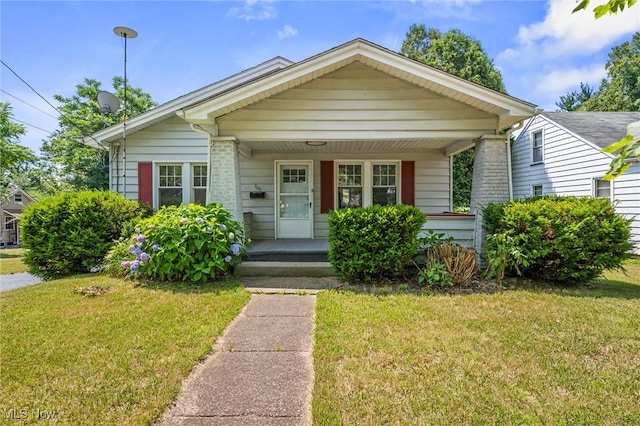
(254, 10)
(563, 33)
(559, 81)
(286, 32)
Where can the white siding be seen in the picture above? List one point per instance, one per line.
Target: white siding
(356, 103)
(460, 228)
(431, 176)
(171, 141)
(569, 168)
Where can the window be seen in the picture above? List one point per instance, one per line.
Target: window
(536, 190)
(170, 185)
(384, 184)
(538, 144)
(367, 183)
(602, 188)
(9, 223)
(199, 185)
(349, 185)
(17, 198)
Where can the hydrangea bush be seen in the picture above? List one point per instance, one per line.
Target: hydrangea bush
(184, 243)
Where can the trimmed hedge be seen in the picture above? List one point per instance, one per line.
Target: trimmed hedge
(71, 232)
(371, 243)
(554, 238)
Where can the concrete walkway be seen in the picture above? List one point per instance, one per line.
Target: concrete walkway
(261, 372)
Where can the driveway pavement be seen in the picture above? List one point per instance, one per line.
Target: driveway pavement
(17, 280)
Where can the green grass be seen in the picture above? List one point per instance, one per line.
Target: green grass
(539, 355)
(118, 358)
(11, 261)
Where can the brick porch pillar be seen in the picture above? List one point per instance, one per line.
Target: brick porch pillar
(490, 181)
(224, 175)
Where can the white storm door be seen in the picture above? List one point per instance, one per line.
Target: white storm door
(294, 214)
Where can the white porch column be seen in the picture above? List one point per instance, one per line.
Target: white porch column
(490, 180)
(224, 175)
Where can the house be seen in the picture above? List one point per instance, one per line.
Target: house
(10, 209)
(561, 153)
(283, 143)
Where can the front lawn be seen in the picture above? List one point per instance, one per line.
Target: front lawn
(11, 261)
(118, 358)
(532, 356)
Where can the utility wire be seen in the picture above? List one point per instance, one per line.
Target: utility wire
(50, 104)
(27, 103)
(28, 85)
(31, 125)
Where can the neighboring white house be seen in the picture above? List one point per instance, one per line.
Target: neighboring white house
(561, 153)
(288, 142)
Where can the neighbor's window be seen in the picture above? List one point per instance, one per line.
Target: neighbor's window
(384, 184)
(536, 190)
(537, 147)
(349, 185)
(602, 188)
(199, 185)
(17, 197)
(170, 185)
(8, 223)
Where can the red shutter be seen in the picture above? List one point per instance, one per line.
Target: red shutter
(408, 183)
(145, 183)
(326, 186)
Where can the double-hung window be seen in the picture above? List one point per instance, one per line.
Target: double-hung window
(9, 223)
(537, 141)
(170, 185)
(361, 184)
(17, 198)
(601, 188)
(199, 186)
(536, 190)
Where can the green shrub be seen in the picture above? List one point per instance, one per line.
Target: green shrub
(182, 243)
(71, 232)
(375, 242)
(553, 238)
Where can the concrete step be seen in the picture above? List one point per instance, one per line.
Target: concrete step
(284, 269)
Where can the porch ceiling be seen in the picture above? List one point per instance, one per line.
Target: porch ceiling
(351, 145)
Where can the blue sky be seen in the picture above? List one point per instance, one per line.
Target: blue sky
(542, 50)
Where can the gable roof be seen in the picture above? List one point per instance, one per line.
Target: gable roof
(168, 109)
(508, 110)
(599, 128)
(278, 75)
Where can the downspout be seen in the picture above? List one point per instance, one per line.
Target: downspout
(196, 128)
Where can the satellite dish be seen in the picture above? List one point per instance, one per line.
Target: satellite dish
(108, 102)
(125, 32)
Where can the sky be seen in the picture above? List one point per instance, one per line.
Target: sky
(542, 50)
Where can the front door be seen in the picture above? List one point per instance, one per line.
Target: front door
(294, 210)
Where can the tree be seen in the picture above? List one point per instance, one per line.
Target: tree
(78, 165)
(13, 156)
(463, 56)
(610, 7)
(574, 100)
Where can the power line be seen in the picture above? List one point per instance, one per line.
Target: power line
(27, 103)
(28, 85)
(31, 125)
